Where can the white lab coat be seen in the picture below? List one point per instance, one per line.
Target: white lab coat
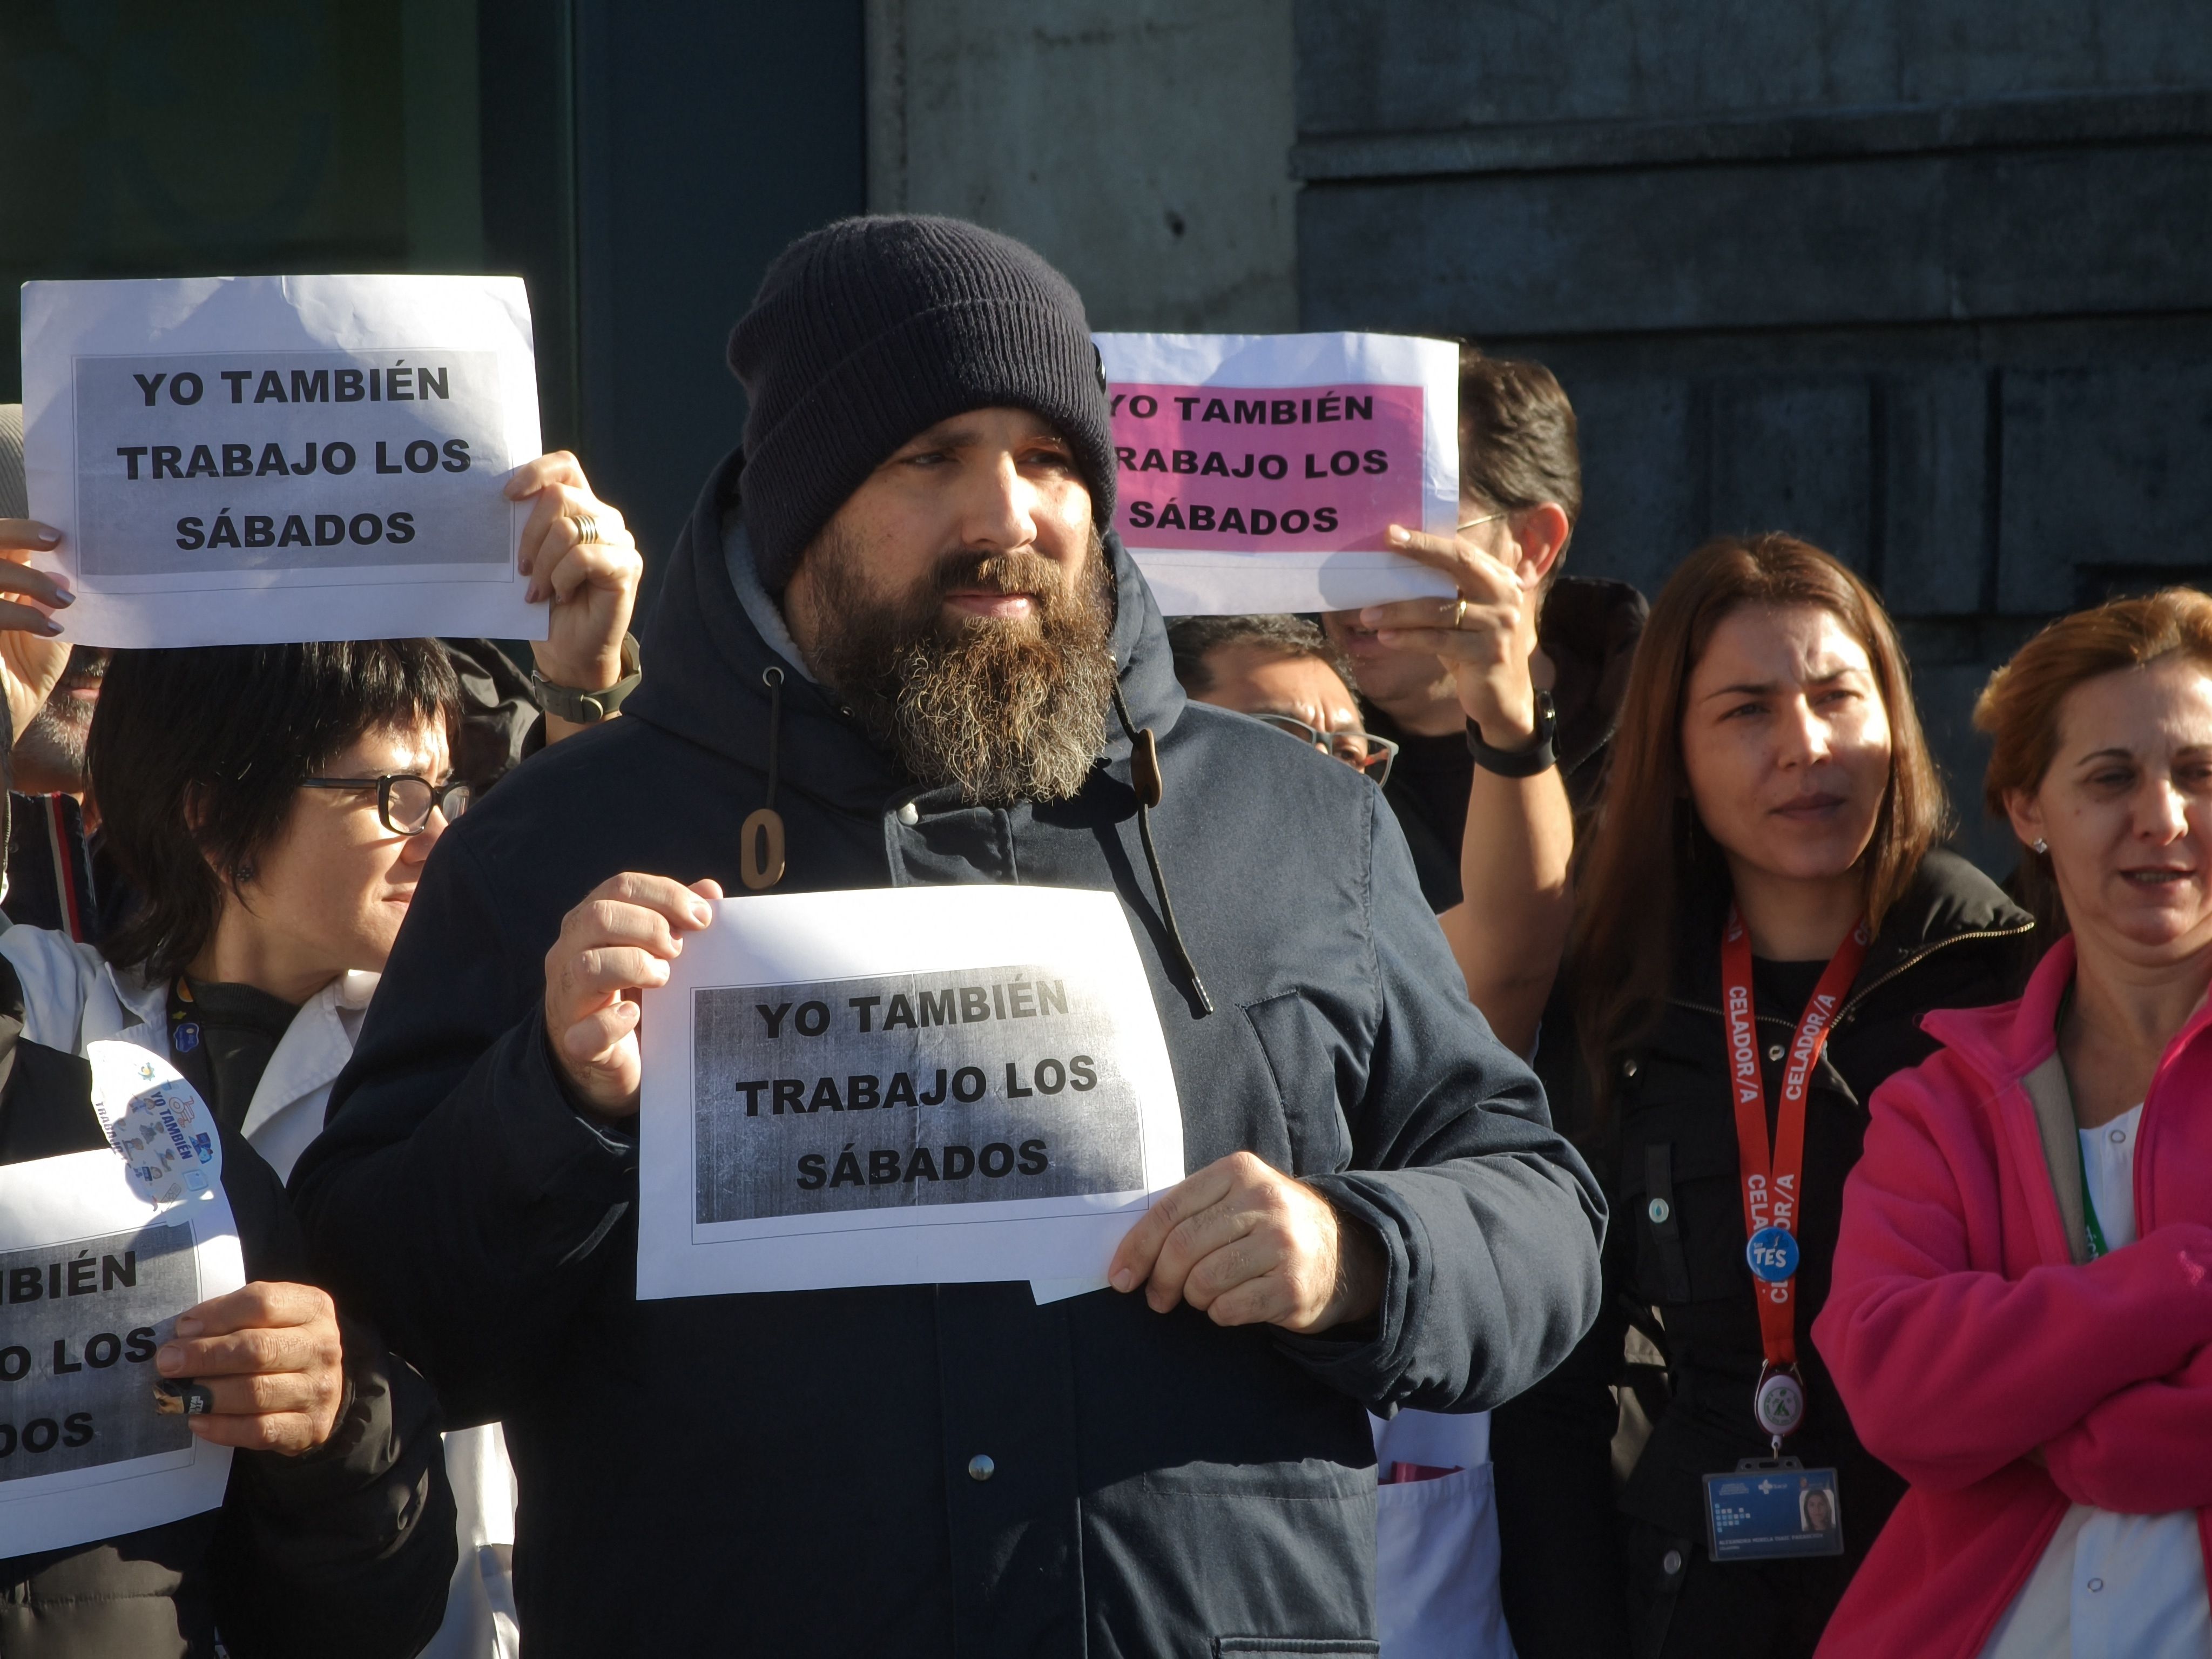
(72, 997)
(1436, 1541)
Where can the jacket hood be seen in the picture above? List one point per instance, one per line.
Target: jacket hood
(706, 658)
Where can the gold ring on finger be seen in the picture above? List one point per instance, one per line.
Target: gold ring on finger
(587, 527)
(1459, 615)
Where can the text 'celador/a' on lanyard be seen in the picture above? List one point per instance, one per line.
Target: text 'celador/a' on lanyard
(1773, 1177)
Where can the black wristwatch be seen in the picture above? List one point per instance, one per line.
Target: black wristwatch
(589, 708)
(1538, 757)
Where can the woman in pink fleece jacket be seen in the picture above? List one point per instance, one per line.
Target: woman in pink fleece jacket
(2022, 1314)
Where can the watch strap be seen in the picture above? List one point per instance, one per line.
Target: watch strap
(590, 707)
(1538, 757)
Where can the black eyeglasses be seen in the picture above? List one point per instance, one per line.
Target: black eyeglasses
(1357, 750)
(404, 801)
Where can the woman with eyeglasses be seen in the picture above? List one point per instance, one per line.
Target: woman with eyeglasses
(271, 808)
(1436, 1535)
(266, 905)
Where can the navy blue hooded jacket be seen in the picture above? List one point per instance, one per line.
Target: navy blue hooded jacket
(789, 1473)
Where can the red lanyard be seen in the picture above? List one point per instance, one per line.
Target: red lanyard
(1773, 1181)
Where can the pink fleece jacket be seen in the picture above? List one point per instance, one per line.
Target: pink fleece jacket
(1966, 1342)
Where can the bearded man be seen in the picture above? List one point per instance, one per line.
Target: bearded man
(897, 614)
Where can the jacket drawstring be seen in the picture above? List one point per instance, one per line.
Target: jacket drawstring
(760, 841)
(1145, 779)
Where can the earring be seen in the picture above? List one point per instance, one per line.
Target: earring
(2041, 846)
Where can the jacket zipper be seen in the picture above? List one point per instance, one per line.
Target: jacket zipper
(1857, 997)
(2138, 1179)
(1860, 995)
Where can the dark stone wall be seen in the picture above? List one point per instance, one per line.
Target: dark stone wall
(638, 164)
(1928, 283)
(643, 168)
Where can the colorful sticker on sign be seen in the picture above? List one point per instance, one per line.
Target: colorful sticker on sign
(157, 1121)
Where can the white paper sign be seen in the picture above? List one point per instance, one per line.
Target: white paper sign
(93, 1276)
(1261, 472)
(901, 1086)
(249, 460)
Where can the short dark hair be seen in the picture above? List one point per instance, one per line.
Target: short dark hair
(1518, 444)
(196, 756)
(1193, 639)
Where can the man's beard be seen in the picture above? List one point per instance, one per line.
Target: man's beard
(52, 749)
(1003, 711)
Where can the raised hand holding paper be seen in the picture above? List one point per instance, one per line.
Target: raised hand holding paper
(918, 1086)
(1261, 472)
(249, 460)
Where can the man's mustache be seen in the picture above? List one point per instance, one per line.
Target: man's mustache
(1000, 573)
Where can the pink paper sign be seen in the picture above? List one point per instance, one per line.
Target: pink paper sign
(1267, 469)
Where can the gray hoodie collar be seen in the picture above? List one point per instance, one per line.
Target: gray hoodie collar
(760, 609)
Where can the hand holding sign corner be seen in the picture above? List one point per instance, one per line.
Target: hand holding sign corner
(272, 1359)
(618, 942)
(1486, 637)
(578, 553)
(1246, 1244)
(32, 657)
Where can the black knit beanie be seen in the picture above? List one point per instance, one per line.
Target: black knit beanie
(869, 331)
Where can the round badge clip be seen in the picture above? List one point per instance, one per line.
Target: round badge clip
(1772, 1254)
(1778, 1403)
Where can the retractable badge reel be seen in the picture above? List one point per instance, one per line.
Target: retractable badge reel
(1779, 1401)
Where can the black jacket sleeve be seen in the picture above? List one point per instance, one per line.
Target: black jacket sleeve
(347, 1550)
(455, 1196)
(1560, 1571)
(1489, 1221)
(1560, 1574)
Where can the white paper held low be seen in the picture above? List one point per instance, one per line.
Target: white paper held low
(901, 1086)
(93, 1273)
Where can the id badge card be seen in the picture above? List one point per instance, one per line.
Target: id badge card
(1772, 1508)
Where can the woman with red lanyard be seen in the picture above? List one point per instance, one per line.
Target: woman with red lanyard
(1765, 916)
(2022, 1317)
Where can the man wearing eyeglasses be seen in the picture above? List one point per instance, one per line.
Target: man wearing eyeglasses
(1279, 670)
